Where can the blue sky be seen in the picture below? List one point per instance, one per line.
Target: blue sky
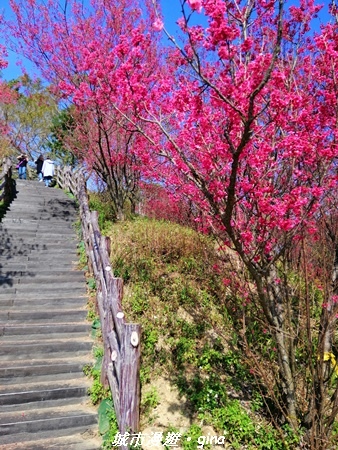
(171, 12)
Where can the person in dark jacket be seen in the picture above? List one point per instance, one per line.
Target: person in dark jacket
(22, 164)
(39, 164)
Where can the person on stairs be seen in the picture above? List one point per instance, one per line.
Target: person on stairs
(22, 166)
(48, 171)
(39, 164)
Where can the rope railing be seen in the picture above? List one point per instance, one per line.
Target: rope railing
(121, 340)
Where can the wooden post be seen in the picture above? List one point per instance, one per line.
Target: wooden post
(7, 184)
(130, 383)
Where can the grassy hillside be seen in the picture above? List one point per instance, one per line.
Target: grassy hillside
(174, 289)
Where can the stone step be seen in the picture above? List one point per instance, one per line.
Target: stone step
(47, 295)
(34, 267)
(35, 239)
(8, 249)
(26, 222)
(10, 225)
(42, 404)
(37, 277)
(55, 255)
(46, 260)
(19, 232)
(14, 216)
(57, 315)
(15, 253)
(34, 288)
(57, 356)
(41, 201)
(14, 370)
(32, 273)
(46, 205)
(61, 378)
(38, 243)
(43, 391)
(76, 438)
(45, 332)
(39, 260)
(24, 303)
(48, 423)
(9, 350)
(39, 377)
(47, 419)
(46, 272)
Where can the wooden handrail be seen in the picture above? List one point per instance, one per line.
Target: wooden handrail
(6, 185)
(121, 340)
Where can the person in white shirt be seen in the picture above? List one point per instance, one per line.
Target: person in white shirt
(48, 171)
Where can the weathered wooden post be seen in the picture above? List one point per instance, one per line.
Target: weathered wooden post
(129, 378)
(6, 181)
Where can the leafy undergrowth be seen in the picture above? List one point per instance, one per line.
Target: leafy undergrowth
(173, 290)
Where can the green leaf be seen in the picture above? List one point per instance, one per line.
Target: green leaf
(106, 406)
(96, 323)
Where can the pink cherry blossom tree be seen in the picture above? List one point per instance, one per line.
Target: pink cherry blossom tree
(245, 123)
(7, 97)
(72, 45)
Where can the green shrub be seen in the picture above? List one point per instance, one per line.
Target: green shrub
(102, 204)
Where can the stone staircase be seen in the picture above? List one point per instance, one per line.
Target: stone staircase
(44, 335)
